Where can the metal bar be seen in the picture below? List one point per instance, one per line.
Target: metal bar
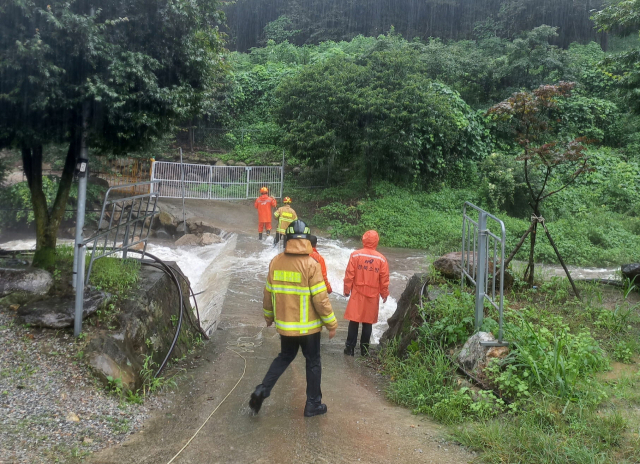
(480, 267)
(79, 301)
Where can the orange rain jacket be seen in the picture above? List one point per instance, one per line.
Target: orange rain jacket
(286, 215)
(263, 204)
(295, 297)
(315, 255)
(366, 279)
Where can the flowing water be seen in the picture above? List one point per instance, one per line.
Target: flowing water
(234, 272)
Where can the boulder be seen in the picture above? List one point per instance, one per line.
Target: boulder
(188, 240)
(297, 170)
(59, 312)
(241, 163)
(474, 356)
(110, 358)
(231, 163)
(631, 271)
(19, 286)
(181, 229)
(209, 239)
(196, 240)
(407, 315)
(220, 163)
(450, 266)
(200, 226)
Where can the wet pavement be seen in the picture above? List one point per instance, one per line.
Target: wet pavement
(360, 426)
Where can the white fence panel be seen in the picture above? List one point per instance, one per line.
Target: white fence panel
(215, 182)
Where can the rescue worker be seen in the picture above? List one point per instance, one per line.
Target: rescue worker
(366, 280)
(263, 204)
(296, 299)
(315, 255)
(286, 215)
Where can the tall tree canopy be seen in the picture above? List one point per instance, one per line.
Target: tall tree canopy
(123, 72)
(378, 113)
(320, 20)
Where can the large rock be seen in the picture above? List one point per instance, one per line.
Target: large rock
(209, 239)
(146, 328)
(59, 312)
(19, 286)
(474, 356)
(195, 240)
(631, 271)
(163, 234)
(188, 240)
(200, 226)
(110, 359)
(407, 315)
(450, 266)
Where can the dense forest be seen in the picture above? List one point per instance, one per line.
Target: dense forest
(252, 22)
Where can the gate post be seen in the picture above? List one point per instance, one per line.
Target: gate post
(480, 268)
(248, 169)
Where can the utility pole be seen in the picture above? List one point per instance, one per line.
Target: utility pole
(82, 171)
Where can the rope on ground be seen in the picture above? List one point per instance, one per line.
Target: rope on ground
(245, 347)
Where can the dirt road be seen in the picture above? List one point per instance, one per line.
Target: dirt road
(360, 426)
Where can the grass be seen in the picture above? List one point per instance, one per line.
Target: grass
(433, 221)
(568, 391)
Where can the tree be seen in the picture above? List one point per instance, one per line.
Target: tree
(115, 75)
(531, 119)
(623, 18)
(380, 114)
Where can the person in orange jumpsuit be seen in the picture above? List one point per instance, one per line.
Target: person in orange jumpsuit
(366, 280)
(263, 204)
(315, 255)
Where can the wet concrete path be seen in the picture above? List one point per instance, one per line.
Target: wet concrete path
(360, 426)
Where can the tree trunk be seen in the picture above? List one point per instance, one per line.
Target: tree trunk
(47, 222)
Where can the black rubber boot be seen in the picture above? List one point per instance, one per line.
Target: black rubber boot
(257, 397)
(349, 350)
(276, 239)
(260, 236)
(268, 232)
(364, 349)
(314, 409)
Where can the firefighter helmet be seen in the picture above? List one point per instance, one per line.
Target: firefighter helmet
(287, 200)
(298, 229)
(264, 190)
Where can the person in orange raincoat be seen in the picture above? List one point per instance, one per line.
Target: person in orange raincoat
(315, 255)
(366, 280)
(263, 204)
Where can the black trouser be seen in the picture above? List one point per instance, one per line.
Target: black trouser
(352, 335)
(310, 345)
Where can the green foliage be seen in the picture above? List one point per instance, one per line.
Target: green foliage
(379, 114)
(16, 202)
(115, 275)
(280, 30)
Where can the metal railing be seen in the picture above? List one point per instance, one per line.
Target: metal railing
(125, 223)
(206, 182)
(482, 263)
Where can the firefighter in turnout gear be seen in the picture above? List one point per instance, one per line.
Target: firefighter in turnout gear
(285, 215)
(263, 204)
(296, 300)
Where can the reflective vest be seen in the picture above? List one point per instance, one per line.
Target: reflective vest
(286, 215)
(295, 295)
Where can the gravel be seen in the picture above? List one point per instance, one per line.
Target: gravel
(51, 407)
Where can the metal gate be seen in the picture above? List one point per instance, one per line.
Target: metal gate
(125, 223)
(481, 263)
(206, 182)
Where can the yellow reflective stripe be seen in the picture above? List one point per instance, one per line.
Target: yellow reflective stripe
(287, 276)
(319, 288)
(297, 325)
(287, 289)
(267, 313)
(328, 319)
(287, 215)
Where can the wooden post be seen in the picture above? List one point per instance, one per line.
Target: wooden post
(555, 248)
